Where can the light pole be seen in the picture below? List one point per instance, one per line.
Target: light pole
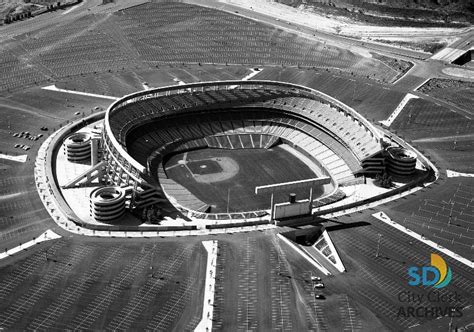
(451, 213)
(378, 246)
(451, 320)
(228, 199)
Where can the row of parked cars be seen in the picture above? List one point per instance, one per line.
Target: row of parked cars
(23, 146)
(27, 135)
(317, 285)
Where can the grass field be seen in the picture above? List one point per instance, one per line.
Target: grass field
(256, 167)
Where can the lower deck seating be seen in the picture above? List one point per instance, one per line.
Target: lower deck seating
(245, 129)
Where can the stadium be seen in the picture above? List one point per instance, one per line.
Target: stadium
(234, 115)
(254, 151)
(236, 165)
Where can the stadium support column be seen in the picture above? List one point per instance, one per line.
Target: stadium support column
(272, 210)
(94, 151)
(310, 199)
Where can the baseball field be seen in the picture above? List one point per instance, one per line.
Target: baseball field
(226, 179)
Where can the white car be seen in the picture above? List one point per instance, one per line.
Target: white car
(314, 278)
(319, 285)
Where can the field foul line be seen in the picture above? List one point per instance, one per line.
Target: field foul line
(54, 88)
(384, 218)
(209, 287)
(46, 236)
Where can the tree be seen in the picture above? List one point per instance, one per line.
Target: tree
(384, 180)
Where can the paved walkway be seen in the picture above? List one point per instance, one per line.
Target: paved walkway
(46, 236)
(252, 74)
(398, 110)
(454, 174)
(208, 306)
(20, 159)
(54, 88)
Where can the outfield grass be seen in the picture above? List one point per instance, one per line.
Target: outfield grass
(256, 168)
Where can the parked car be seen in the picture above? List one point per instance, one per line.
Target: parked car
(319, 296)
(319, 285)
(315, 278)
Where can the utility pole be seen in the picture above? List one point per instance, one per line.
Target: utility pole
(451, 213)
(378, 246)
(228, 199)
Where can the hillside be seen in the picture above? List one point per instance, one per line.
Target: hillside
(396, 12)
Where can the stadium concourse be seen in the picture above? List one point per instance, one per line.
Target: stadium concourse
(150, 152)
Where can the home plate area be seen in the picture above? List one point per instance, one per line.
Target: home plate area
(213, 170)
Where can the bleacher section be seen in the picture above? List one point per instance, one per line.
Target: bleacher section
(349, 130)
(332, 155)
(179, 193)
